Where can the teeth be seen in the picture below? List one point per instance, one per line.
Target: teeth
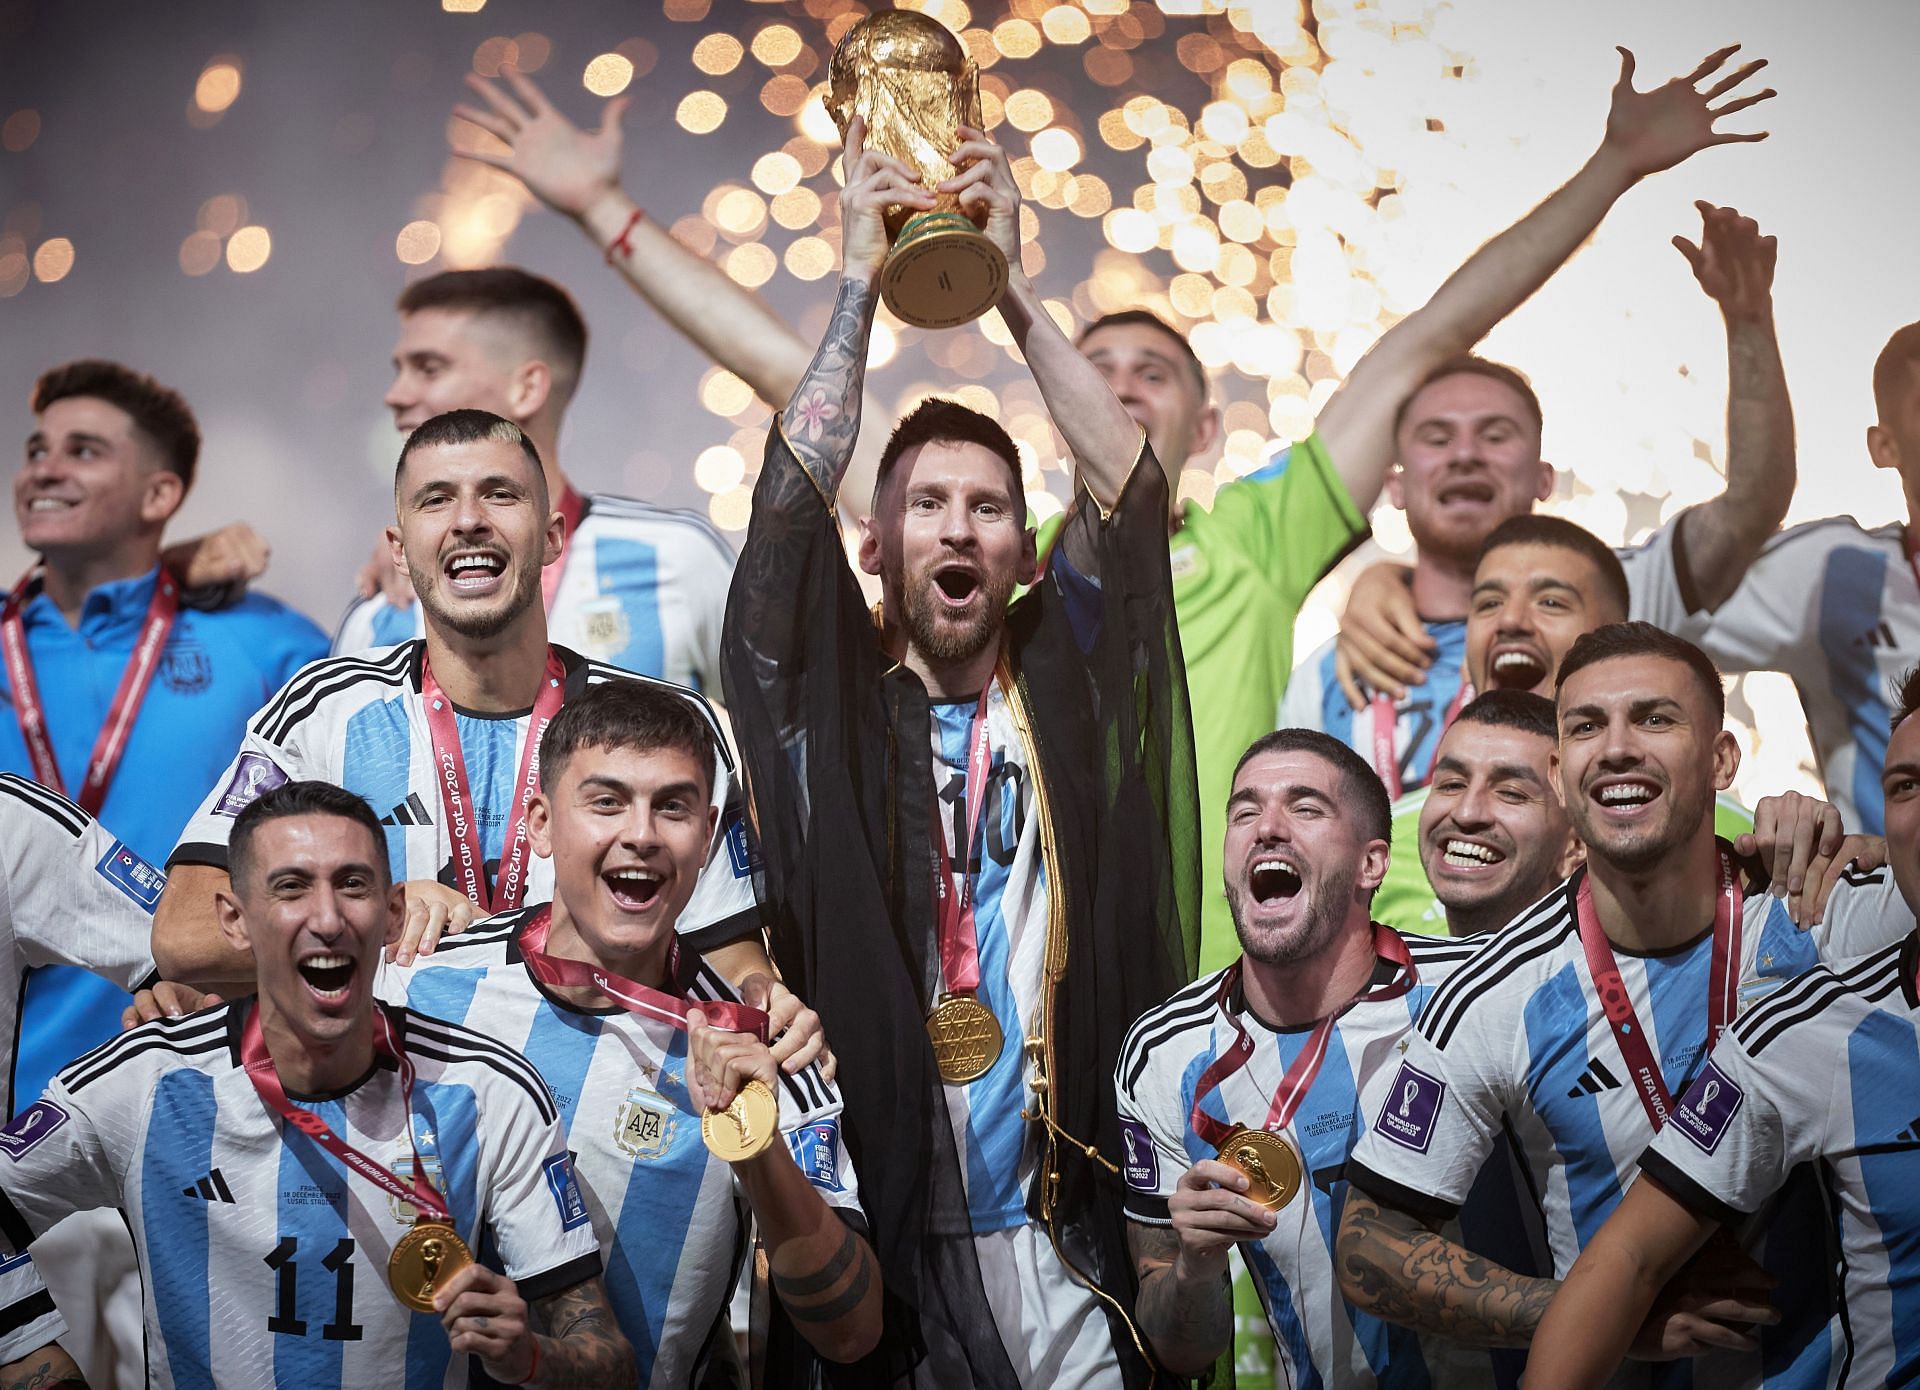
(634, 876)
(1625, 793)
(327, 962)
(48, 504)
(471, 562)
(1463, 852)
(1513, 659)
(1276, 865)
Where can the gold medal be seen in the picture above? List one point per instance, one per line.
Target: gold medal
(1271, 1164)
(966, 1037)
(423, 1260)
(744, 1128)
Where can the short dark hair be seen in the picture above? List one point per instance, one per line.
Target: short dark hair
(1148, 319)
(539, 308)
(1906, 694)
(938, 420)
(1470, 364)
(468, 427)
(1362, 783)
(1535, 528)
(639, 716)
(1512, 709)
(302, 799)
(1902, 351)
(160, 413)
(1616, 640)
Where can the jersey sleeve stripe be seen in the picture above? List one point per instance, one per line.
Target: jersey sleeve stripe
(327, 677)
(1163, 1021)
(1807, 997)
(1494, 963)
(28, 1310)
(196, 1035)
(634, 509)
(47, 802)
(807, 1087)
(446, 1042)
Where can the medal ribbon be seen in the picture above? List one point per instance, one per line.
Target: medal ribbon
(1386, 723)
(419, 1193)
(1723, 988)
(959, 943)
(572, 507)
(456, 797)
(635, 998)
(1299, 1076)
(112, 740)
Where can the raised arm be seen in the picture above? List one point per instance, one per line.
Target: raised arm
(1722, 537)
(1100, 434)
(1646, 132)
(1184, 1306)
(577, 174)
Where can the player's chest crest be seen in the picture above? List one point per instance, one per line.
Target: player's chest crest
(645, 1123)
(605, 630)
(400, 1159)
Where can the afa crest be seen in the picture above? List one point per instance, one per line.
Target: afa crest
(186, 668)
(644, 1124)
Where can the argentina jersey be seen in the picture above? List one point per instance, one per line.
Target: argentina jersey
(641, 587)
(263, 1261)
(360, 723)
(1822, 1075)
(1660, 593)
(670, 1219)
(1010, 927)
(1837, 608)
(1516, 1046)
(1320, 1338)
(70, 894)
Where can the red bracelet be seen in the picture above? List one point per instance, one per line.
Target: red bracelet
(533, 1367)
(620, 243)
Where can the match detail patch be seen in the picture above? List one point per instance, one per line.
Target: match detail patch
(1412, 1106)
(566, 1191)
(132, 875)
(816, 1151)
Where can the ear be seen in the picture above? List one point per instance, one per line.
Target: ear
(396, 551)
(1206, 433)
(532, 388)
(396, 912)
(713, 819)
(869, 546)
(1397, 487)
(1373, 865)
(1882, 447)
(1553, 778)
(233, 925)
(162, 496)
(555, 539)
(540, 825)
(1573, 855)
(1726, 759)
(1029, 565)
(1547, 477)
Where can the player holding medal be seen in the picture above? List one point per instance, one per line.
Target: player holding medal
(673, 1099)
(305, 1171)
(1290, 1046)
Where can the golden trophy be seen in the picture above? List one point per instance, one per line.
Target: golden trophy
(909, 78)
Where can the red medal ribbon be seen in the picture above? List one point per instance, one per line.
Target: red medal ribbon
(572, 507)
(112, 740)
(419, 1193)
(1299, 1076)
(959, 944)
(635, 998)
(1386, 723)
(1723, 988)
(456, 797)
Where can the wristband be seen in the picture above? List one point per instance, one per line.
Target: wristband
(620, 243)
(533, 1366)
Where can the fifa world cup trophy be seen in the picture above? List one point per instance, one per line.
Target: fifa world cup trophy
(909, 78)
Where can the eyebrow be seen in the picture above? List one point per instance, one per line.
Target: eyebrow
(1638, 709)
(1900, 769)
(1499, 771)
(506, 480)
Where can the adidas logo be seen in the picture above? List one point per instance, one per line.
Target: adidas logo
(412, 811)
(213, 1188)
(1880, 636)
(1595, 1079)
(1911, 1134)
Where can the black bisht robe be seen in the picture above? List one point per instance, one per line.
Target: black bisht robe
(836, 745)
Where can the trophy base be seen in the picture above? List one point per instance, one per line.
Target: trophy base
(942, 272)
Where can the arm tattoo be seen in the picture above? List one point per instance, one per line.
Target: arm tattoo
(1187, 1324)
(49, 1368)
(1400, 1271)
(822, 421)
(791, 1287)
(585, 1348)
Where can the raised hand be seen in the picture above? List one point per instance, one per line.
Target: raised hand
(721, 1063)
(875, 182)
(1211, 1214)
(987, 191)
(565, 167)
(1655, 130)
(1732, 262)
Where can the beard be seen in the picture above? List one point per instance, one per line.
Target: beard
(1639, 851)
(938, 637)
(465, 621)
(1325, 915)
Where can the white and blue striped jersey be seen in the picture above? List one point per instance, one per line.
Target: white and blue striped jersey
(641, 587)
(264, 1262)
(1516, 1047)
(1822, 1074)
(360, 723)
(1837, 608)
(670, 1219)
(1318, 1336)
(1661, 595)
(1010, 926)
(70, 894)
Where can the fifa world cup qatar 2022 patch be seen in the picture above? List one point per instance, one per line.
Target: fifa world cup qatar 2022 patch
(30, 1128)
(1411, 1107)
(1141, 1166)
(253, 777)
(1708, 1108)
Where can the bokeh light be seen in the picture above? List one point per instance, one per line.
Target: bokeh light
(608, 75)
(19, 131)
(248, 249)
(53, 260)
(418, 242)
(218, 86)
(701, 112)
